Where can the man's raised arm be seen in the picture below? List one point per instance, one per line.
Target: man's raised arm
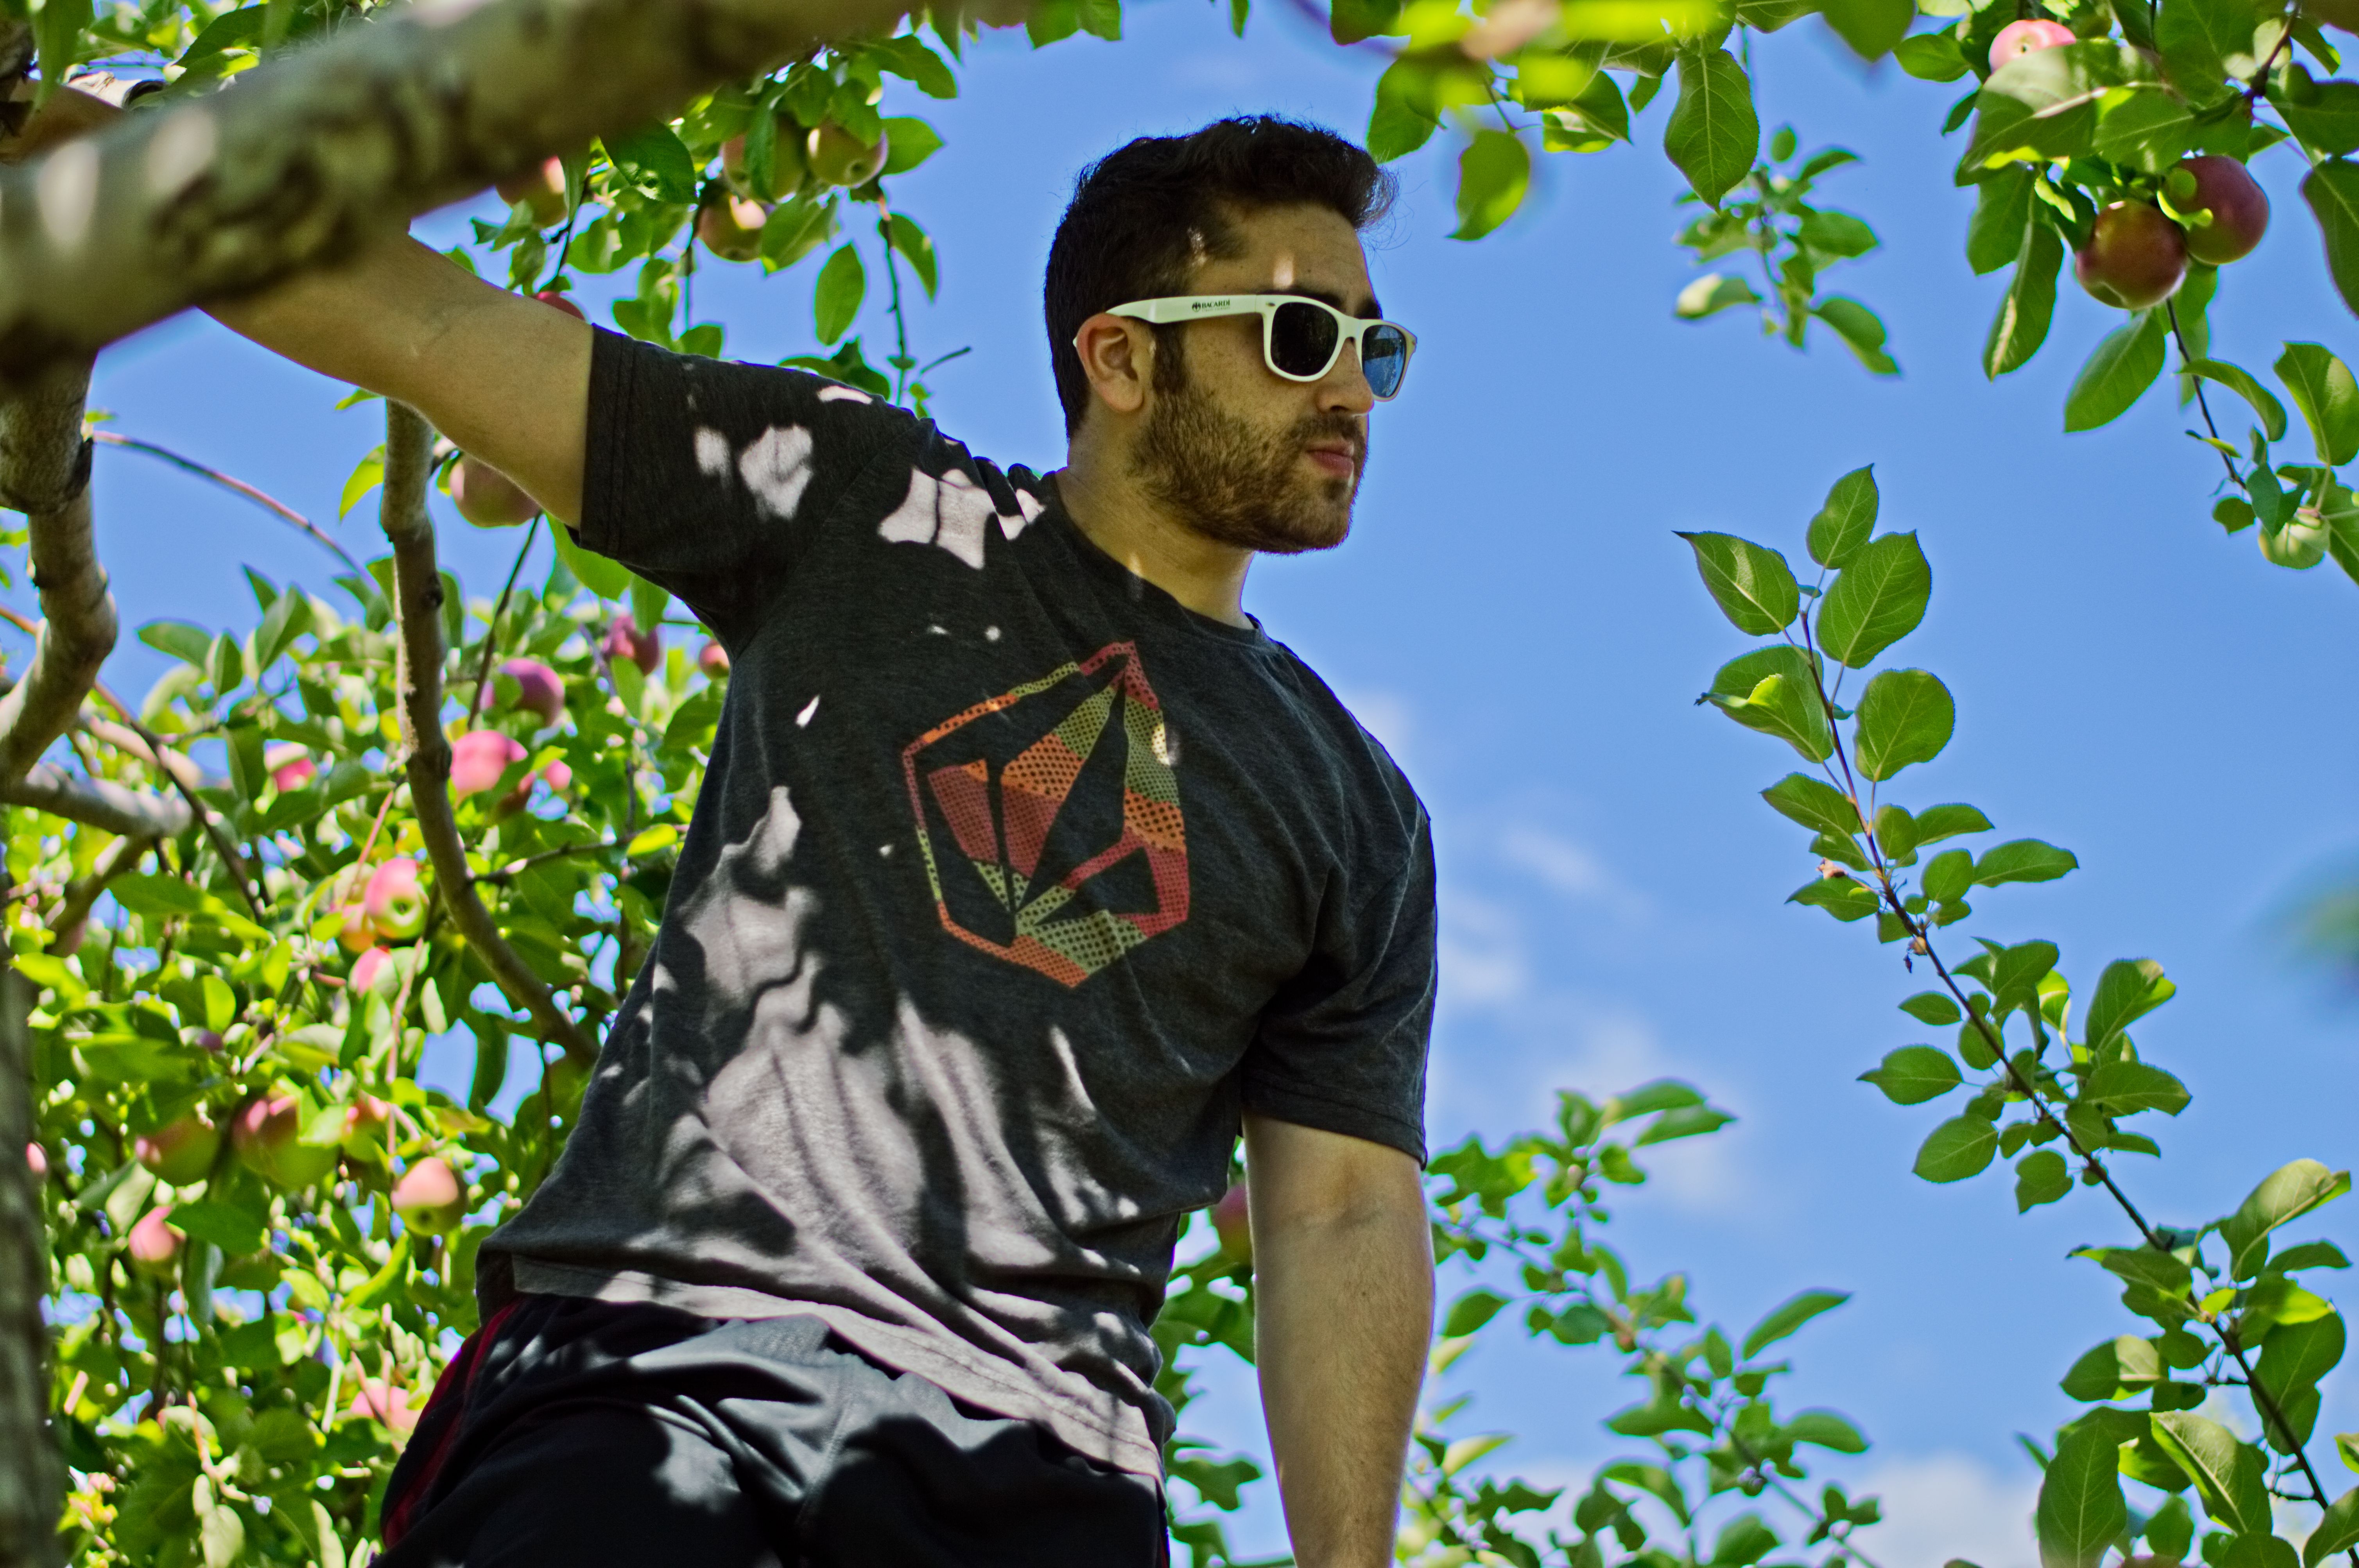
(1343, 1291)
(504, 376)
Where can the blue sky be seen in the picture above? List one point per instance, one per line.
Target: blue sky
(1514, 618)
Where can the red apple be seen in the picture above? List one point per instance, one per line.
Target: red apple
(366, 1122)
(558, 776)
(37, 1160)
(539, 691)
(790, 163)
(479, 757)
(290, 764)
(1230, 1222)
(264, 1135)
(431, 1198)
(2134, 257)
(2019, 39)
(2239, 208)
(180, 1153)
(731, 226)
(550, 297)
(373, 972)
(488, 498)
(153, 1246)
(541, 189)
(395, 903)
(838, 157)
(626, 640)
(715, 660)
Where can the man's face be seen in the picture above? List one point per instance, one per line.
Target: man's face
(1247, 456)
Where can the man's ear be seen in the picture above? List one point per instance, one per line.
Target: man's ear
(1118, 356)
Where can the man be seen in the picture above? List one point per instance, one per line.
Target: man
(1026, 870)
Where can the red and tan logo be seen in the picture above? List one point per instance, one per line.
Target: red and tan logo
(1050, 818)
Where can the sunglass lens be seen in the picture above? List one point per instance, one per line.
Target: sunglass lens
(1383, 359)
(1302, 339)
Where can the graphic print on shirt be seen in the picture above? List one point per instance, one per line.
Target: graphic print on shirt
(1050, 818)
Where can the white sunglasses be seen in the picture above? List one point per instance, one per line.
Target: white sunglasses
(1300, 339)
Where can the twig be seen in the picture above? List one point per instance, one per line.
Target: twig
(276, 508)
(492, 632)
(2203, 403)
(417, 593)
(517, 868)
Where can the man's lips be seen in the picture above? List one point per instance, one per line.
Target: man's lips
(1339, 457)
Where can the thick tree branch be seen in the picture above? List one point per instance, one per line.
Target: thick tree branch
(98, 803)
(45, 473)
(418, 679)
(312, 154)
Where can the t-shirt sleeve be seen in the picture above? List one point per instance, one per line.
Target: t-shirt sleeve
(705, 476)
(1342, 1047)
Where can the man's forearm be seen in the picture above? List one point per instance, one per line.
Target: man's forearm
(1344, 1293)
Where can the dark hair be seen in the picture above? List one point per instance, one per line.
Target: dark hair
(1142, 215)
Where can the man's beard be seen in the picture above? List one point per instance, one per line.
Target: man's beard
(1239, 486)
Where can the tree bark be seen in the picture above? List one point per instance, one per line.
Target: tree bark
(99, 803)
(308, 156)
(30, 1469)
(45, 473)
(418, 681)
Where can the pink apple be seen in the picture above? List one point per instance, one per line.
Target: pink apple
(372, 966)
(37, 1160)
(153, 1245)
(395, 903)
(541, 189)
(626, 640)
(550, 296)
(715, 660)
(265, 1135)
(431, 1198)
(488, 498)
(290, 764)
(366, 1123)
(1231, 1223)
(2019, 39)
(539, 691)
(379, 1402)
(479, 757)
(180, 1153)
(558, 776)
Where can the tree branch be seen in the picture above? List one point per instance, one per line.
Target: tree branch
(417, 607)
(45, 473)
(315, 154)
(31, 1473)
(66, 927)
(98, 803)
(276, 508)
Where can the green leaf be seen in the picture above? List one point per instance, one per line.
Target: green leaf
(2323, 390)
(913, 244)
(910, 58)
(2043, 104)
(1751, 583)
(1710, 295)
(2296, 1355)
(58, 29)
(1772, 690)
(1787, 1317)
(1878, 599)
(908, 142)
(1872, 27)
(1494, 172)
(1936, 1008)
(836, 297)
(2228, 1474)
(2329, 124)
(2126, 1087)
(2113, 1370)
(2081, 1508)
(2021, 324)
(1904, 717)
(1743, 1542)
(655, 161)
(2241, 382)
(289, 617)
(1713, 134)
(608, 580)
(1844, 523)
(1813, 802)
(2337, 1530)
(1861, 329)
(2040, 1177)
(1932, 57)
(192, 644)
(2143, 129)
(2022, 860)
(1471, 1312)
(234, 1231)
(1825, 1429)
(2117, 374)
(1960, 1147)
(2286, 1194)
(2126, 991)
(2016, 973)
(1687, 1121)
(2332, 188)
(1936, 823)
(1915, 1074)
(1842, 897)
(2001, 218)
(2346, 1445)
(2197, 38)
(1948, 875)
(367, 476)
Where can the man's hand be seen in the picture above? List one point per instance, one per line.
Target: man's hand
(1343, 1280)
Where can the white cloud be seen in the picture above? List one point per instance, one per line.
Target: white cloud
(1944, 1506)
(1481, 948)
(1569, 868)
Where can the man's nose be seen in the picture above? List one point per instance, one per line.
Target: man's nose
(1345, 388)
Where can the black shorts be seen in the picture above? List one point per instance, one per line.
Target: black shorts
(584, 1433)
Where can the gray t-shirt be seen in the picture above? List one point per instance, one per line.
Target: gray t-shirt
(1012, 881)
